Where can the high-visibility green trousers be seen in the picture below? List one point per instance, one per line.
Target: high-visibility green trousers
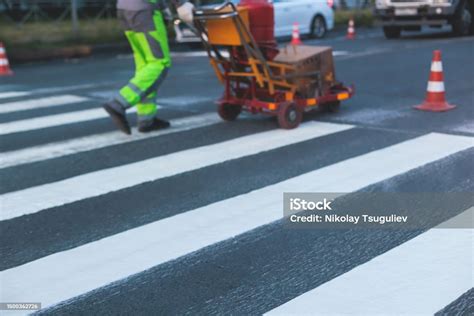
(146, 33)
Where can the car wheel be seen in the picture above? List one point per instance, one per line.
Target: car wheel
(318, 27)
(462, 24)
(392, 31)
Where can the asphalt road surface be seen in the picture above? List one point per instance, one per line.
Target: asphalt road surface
(189, 220)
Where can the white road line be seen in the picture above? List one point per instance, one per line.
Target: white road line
(466, 126)
(368, 52)
(73, 146)
(419, 277)
(75, 87)
(121, 177)
(182, 101)
(13, 94)
(189, 54)
(40, 103)
(70, 273)
(339, 53)
(372, 115)
(53, 120)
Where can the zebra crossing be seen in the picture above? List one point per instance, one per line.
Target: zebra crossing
(435, 250)
(194, 207)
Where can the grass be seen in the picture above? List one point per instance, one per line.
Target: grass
(362, 17)
(47, 35)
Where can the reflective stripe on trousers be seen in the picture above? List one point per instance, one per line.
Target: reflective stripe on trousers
(146, 33)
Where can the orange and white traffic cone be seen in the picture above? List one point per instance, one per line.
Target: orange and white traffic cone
(435, 100)
(4, 65)
(351, 30)
(295, 35)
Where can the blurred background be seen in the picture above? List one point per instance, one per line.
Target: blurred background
(36, 29)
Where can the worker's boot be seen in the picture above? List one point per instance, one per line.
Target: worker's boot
(146, 126)
(117, 113)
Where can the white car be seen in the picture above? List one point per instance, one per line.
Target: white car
(314, 18)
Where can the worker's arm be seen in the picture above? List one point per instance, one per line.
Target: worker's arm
(183, 7)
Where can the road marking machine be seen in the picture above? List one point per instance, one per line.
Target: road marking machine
(260, 78)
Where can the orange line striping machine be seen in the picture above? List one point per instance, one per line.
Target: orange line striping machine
(260, 78)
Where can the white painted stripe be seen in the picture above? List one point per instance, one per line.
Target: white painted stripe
(189, 101)
(13, 94)
(466, 126)
(196, 54)
(435, 86)
(40, 103)
(53, 120)
(189, 54)
(339, 53)
(419, 277)
(437, 66)
(73, 146)
(76, 87)
(117, 178)
(3, 62)
(2, 50)
(70, 273)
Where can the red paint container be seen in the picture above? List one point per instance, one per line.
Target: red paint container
(262, 20)
(262, 25)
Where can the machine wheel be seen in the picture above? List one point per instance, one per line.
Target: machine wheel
(392, 31)
(331, 107)
(229, 112)
(289, 116)
(462, 23)
(318, 27)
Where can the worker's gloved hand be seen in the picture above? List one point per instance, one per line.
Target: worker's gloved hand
(185, 12)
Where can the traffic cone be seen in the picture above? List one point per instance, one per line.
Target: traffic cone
(351, 30)
(295, 35)
(435, 96)
(4, 65)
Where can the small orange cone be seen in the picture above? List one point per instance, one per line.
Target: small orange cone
(4, 65)
(351, 30)
(295, 35)
(435, 100)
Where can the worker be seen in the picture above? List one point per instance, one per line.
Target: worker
(145, 30)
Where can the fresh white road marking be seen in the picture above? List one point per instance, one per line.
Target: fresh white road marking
(54, 120)
(70, 273)
(40, 103)
(73, 146)
(419, 277)
(371, 116)
(75, 87)
(182, 101)
(339, 53)
(121, 177)
(13, 94)
(466, 126)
